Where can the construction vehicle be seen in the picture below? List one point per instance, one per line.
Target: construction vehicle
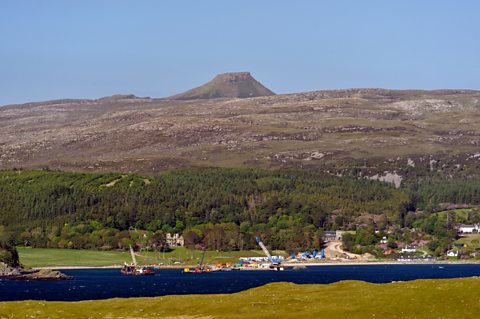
(275, 263)
(134, 269)
(200, 268)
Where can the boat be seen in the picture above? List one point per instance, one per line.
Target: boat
(200, 268)
(197, 270)
(134, 269)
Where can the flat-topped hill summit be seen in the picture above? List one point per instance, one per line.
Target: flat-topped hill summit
(227, 85)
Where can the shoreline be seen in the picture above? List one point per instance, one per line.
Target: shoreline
(289, 265)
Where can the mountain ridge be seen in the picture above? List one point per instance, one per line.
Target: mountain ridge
(323, 93)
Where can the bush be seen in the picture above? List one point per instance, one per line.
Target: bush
(9, 255)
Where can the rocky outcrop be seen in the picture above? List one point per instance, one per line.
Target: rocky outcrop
(18, 273)
(123, 98)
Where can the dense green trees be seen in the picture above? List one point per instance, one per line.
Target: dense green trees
(430, 193)
(9, 255)
(215, 208)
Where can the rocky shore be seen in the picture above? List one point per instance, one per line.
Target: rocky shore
(18, 273)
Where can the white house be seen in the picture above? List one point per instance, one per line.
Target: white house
(452, 253)
(468, 229)
(409, 249)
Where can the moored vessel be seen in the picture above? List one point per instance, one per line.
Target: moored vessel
(135, 269)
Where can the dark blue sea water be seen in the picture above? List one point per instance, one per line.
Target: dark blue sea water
(109, 283)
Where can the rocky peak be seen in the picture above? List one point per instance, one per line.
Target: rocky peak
(227, 85)
(234, 77)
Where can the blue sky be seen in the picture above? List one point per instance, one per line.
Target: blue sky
(88, 49)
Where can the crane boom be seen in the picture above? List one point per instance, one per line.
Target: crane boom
(134, 260)
(265, 250)
(203, 256)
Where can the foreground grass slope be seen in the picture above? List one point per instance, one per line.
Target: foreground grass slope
(451, 298)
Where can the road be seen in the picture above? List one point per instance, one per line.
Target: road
(334, 250)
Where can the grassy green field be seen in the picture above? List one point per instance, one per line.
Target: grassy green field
(470, 241)
(460, 213)
(448, 298)
(49, 257)
(44, 257)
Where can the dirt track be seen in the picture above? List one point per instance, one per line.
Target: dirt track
(334, 250)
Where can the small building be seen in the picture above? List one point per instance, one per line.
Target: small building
(175, 240)
(468, 229)
(253, 259)
(384, 240)
(452, 253)
(338, 235)
(332, 235)
(260, 259)
(329, 235)
(409, 249)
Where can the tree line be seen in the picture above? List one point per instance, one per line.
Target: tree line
(217, 208)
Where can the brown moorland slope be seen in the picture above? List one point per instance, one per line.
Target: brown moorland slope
(387, 134)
